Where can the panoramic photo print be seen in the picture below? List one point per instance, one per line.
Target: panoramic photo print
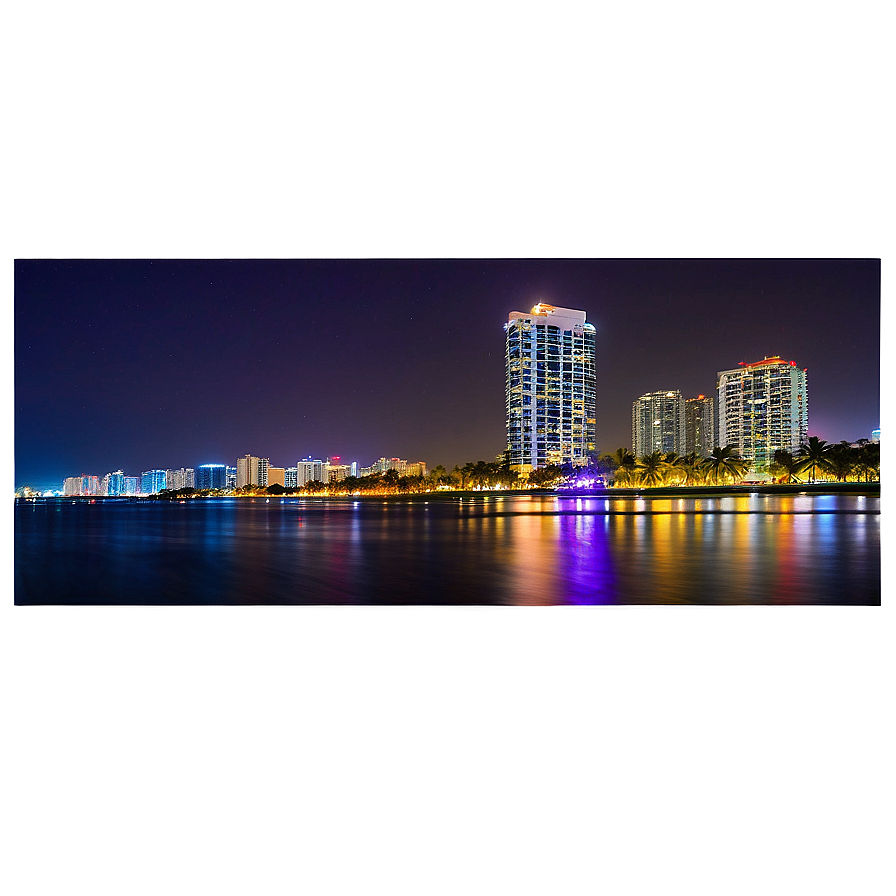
(460, 432)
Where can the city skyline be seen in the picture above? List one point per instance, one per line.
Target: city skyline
(142, 364)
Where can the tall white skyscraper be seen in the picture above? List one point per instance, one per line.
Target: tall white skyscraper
(658, 423)
(763, 407)
(549, 387)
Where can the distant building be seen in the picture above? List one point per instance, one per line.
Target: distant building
(875, 436)
(247, 471)
(130, 485)
(658, 423)
(354, 470)
(231, 477)
(763, 407)
(153, 481)
(290, 478)
(699, 425)
(276, 476)
(310, 470)
(263, 464)
(335, 472)
(415, 469)
(71, 486)
(211, 476)
(113, 484)
(549, 355)
(174, 479)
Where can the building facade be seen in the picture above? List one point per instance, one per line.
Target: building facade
(247, 471)
(310, 470)
(699, 425)
(153, 481)
(113, 484)
(211, 476)
(763, 407)
(658, 423)
(550, 383)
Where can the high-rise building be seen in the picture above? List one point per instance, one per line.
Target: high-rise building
(763, 407)
(263, 464)
(699, 425)
(290, 478)
(153, 481)
(276, 476)
(113, 484)
(71, 486)
(875, 436)
(130, 485)
(550, 382)
(658, 423)
(211, 476)
(310, 470)
(231, 477)
(247, 471)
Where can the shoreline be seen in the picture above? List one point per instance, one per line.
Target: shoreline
(680, 491)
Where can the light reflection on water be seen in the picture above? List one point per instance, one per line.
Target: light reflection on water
(491, 550)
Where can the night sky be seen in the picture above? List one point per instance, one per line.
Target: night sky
(137, 365)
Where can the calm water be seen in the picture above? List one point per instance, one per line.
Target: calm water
(751, 549)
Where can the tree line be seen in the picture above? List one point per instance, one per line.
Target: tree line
(814, 461)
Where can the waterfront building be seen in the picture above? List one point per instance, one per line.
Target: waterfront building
(71, 486)
(113, 484)
(211, 476)
(310, 470)
(658, 423)
(875, 436)
(335, 472)
(231, 477)
(174, 479)
(763, 407)
(416, 469)
(550, 381)
(153, 481)
(263, 464)
(276, 476)
(130, 485)
(699, 425)
(354, 466)
(290, 478)
(247, 471)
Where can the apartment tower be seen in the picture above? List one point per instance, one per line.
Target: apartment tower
(763, 407)
(549, 357)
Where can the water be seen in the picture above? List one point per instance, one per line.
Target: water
(516, 549)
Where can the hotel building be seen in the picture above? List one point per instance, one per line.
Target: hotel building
(763, 407)
(549, 387)
(658, 423)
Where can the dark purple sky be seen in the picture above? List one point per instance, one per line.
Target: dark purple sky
(135, 365)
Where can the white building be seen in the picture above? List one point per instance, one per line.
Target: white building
(658, 423)
(763, 407)
(310, 470)
(549, 387)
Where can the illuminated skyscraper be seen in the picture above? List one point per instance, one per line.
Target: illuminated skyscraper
(153, 481)
(658, 423)
(247, 471)
(699, 425)
(763, 407)
(310, 470)
(211, 476)
(113, 484)
(549, 387)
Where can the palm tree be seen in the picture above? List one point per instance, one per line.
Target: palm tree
(815, 456)
(675, 469)
(842, 460)
(651, 469)
(785, 466)
(724, 464)
(625, 466)
(868, 461)
(694, 468)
